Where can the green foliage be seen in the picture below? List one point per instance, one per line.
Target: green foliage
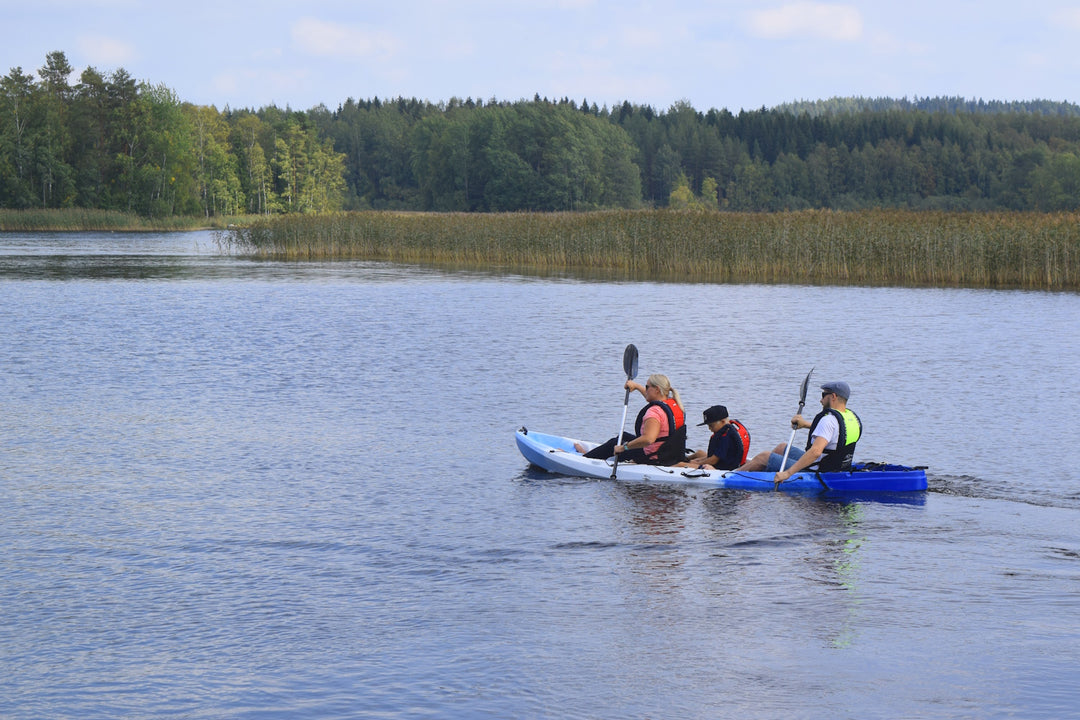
(111, 143)
(524, 156)
(950, 105)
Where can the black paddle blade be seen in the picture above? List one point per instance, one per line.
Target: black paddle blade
(629, 361)
(802, 392)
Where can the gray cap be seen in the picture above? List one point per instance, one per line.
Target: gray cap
(839, 387)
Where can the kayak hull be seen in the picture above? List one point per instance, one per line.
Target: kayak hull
(556, 454)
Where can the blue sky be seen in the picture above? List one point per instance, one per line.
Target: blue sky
(730, 54)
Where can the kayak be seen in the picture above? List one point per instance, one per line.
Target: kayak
(556, 454)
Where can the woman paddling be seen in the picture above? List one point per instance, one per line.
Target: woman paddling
(659, 432)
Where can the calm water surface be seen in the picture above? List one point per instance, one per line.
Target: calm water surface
(245, 489)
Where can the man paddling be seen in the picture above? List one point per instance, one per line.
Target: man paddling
(831, 445)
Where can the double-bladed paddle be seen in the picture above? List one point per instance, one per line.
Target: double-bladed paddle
(794, 429)
(629, 364)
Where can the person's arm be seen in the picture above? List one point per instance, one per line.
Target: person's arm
(696, 461)
(809, 458)
(718, 446)
(631, 385)
(650, 430)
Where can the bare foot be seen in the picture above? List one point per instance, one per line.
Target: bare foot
(579, 447)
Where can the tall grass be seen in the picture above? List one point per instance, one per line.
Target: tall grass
(77, 219)
(999, 250)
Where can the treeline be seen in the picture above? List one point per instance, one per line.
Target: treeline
(111, 143)
(476, 157)
(108, 142)
(838, 105)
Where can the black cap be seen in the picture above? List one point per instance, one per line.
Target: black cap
(716, 412)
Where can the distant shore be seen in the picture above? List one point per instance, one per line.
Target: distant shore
(873, 247)
(1034, 251)
(78, 220)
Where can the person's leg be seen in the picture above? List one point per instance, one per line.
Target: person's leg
(775, 458)
(607, 449)
(637, 455)
(756, 463)
(769, 460)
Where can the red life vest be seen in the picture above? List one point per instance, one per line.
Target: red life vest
(680, 417)
(744, 438)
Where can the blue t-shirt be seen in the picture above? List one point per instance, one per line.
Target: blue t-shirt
(726, 445)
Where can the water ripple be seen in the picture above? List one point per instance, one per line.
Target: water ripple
(241, 489)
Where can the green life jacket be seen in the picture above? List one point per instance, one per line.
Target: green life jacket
(839, 459)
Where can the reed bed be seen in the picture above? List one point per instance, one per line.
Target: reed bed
(85, 220)
(902, 248)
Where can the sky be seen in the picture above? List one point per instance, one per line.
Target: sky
(723, 54)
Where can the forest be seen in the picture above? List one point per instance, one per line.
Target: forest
(108, 142)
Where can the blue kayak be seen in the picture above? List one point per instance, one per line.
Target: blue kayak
(557, 454)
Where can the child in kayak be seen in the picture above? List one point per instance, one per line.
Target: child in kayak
(728, 445)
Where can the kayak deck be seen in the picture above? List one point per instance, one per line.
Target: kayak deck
(556, 454)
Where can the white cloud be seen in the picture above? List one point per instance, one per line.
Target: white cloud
(330, 39)
(458, 48)
(1036, 60)
(226, 83)
(1068, 17)
(573, 4)
(284, 85)
(807, 19)
(642, 38)
(102, 50)
(105, 5)
(887, 44)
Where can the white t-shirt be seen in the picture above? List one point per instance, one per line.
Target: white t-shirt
(828, 428)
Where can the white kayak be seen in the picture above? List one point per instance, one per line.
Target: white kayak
(557, 454)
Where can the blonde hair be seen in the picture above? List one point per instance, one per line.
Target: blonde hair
(664, 386)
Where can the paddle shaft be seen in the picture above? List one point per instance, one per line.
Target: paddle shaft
(622, 424)
(630, 362)
(795, 429)
(791, 439)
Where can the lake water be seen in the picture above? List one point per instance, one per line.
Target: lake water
(239, 489)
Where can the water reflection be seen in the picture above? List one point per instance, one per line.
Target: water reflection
(847, 567)
(657, 512)
(770, 554)
(96, 267)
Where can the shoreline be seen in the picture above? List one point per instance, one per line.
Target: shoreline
(901, 248)
(898, 248)
(79, 220)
